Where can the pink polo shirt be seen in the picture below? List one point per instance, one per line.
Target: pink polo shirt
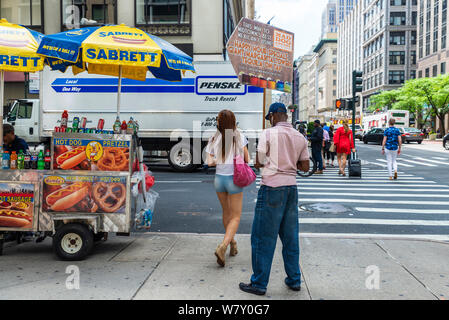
(282, 147)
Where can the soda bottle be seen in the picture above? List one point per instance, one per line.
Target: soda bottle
(5, 160)
(21, 160)
(124, 127)
(75, 123)
(47, 160)
(117, 126)
(130, 129)
(64, 119)
(40, 161)
(27, 160)
(136, 126)
(100, 125)
(34, 159)
(13, 161)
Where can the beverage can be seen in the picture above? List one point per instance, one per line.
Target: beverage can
(83, 122)
(57, 129)
(100, 125)
(63, 129)
(68, 130)
(75, 123)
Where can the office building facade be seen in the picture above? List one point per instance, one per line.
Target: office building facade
(433, 50)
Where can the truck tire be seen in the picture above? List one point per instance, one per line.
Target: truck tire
(73, 242)
(180, 158)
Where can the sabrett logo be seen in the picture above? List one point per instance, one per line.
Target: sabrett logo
(19, 61)
(111, 54)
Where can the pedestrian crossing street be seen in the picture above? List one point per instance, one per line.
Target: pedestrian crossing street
(410, 207)
(409, 161)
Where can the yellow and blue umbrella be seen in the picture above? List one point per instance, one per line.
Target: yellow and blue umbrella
(18, 46)
(116, 50)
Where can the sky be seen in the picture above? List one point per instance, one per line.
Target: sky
(302, 17)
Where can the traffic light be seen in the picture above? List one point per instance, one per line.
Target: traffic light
(340, 104)
(357, 82)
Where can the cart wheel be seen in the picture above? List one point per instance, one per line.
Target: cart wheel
(73, 242)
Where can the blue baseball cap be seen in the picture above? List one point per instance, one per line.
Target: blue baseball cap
(276, 107)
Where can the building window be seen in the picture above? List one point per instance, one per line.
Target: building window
(413, 57)
(397, 2)
(443, 24)
(164, 17)
(443, 68)
(427, 72)
(25, 12)
(420, 74)
(413, 74)
(397, 18)
(396, 77)
(414, 2)
(86, 13)
(414, 18)
(397, 57)
(397, 38)
(334, 82)
(413, 38)
(434, 71)
(435, 26)
(428, 20)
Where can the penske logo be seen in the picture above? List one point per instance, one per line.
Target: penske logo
(225, 85)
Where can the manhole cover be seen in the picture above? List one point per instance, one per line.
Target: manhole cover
(325, 208)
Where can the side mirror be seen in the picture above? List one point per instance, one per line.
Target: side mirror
(11, 118)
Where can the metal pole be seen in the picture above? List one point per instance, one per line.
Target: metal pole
(264, 102)
(2, 96)
(119, 90)
(353, 118)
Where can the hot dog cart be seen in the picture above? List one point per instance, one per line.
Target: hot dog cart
(85, 195)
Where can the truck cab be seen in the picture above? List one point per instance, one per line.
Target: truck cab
(24, 116)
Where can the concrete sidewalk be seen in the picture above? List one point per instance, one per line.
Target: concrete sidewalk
(183, 266)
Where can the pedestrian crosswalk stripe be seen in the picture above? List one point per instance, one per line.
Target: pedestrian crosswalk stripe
(434, 237)
(432, 161)
(334, 200)
(378, 164)
(387, 195)
(438, 158)
(402, 210)
(420, 163)
(349, 180)
(364, 177)
(376, 189)
(395, 184)
(397, 222)
(399, 164)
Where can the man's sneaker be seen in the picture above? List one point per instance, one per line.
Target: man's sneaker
(294, 288)
(248, 287)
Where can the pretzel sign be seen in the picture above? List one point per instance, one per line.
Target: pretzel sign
(109, 196)
(114, 159)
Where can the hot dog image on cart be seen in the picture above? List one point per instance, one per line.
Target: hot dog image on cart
(16, 205)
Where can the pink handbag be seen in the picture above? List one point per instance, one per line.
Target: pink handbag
(243, 174)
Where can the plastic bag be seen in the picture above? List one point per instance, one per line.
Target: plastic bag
(144, 217)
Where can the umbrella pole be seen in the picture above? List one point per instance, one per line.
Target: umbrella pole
(119, 90)
(2, 95)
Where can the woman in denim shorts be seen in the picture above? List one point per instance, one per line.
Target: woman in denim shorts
(221, 150)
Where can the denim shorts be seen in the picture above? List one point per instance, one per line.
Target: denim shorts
(226, 184)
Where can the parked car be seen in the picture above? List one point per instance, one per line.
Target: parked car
(412, 135)
(376, 135)
(446, 142)
(358, 132)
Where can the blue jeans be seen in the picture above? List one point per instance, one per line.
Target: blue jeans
(316, 155)
(276, 214)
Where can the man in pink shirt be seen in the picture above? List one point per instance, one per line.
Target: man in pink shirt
(282, 150)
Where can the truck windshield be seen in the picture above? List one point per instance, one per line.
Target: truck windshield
(21, 110)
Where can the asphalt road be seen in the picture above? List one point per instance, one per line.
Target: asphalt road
(415, 206)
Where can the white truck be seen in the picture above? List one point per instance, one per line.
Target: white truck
(175, 118)
(380, 120)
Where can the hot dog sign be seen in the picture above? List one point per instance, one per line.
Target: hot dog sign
(80, 154)
(88, 194)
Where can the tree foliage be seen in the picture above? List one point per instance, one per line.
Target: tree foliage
(424, 97)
